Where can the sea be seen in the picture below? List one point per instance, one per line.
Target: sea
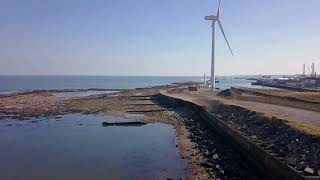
(13, 84)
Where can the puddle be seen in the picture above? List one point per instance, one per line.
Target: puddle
(78, 147)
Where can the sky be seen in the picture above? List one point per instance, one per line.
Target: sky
(156, 37)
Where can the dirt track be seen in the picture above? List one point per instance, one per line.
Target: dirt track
(303, 119)
(293, 144)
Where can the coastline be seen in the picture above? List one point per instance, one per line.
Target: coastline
(44, 103)
(208, 156)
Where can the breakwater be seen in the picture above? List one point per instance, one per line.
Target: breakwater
(256, 152)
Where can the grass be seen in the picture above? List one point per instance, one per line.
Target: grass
(301, 126)
(306, 96)
(304, 127)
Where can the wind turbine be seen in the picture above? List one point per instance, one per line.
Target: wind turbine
(215, 19)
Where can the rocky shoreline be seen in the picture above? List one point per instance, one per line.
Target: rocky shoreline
(291, 146)
(208, 155)
(218, 157)
(29, 105)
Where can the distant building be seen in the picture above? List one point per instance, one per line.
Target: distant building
(311, 82)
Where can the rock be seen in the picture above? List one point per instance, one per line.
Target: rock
(254, 137)
(303, 157)
(215, 156)
(207, 164)
(291, 161)
(301, 166)
(281, 159)
(225, 93)
(133, 123)
(308, 171)
(270, 146)
(207, 153)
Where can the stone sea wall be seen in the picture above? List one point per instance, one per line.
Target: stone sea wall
(273, 146)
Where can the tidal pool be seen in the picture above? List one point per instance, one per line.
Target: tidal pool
(77, 146)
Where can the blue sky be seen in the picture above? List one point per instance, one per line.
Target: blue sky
(156, 37)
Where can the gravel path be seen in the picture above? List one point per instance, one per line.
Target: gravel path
(310, 118)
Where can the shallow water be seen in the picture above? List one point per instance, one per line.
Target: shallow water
(72, 94)
(12, 84)
(76, 146)
(25, 83)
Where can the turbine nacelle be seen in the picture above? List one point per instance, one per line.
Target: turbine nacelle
(211, 18)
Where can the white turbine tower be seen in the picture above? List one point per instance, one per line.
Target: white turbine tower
(215, 19)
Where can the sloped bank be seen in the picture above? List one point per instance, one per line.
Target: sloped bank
(266, 142)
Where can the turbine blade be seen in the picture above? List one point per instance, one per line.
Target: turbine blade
(224, 35)
(218, 12)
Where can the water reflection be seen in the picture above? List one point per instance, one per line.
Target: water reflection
(78, 147)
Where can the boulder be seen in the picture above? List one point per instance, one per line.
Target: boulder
(215, 156)
(291, 161)
(301, 166)
(225, 93)
(308, 171)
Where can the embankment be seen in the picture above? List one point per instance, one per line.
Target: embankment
(266, 97)
(273, 146)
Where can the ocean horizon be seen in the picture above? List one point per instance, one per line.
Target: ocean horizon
(19, 83)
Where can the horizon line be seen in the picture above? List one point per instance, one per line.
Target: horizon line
(148, 75)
